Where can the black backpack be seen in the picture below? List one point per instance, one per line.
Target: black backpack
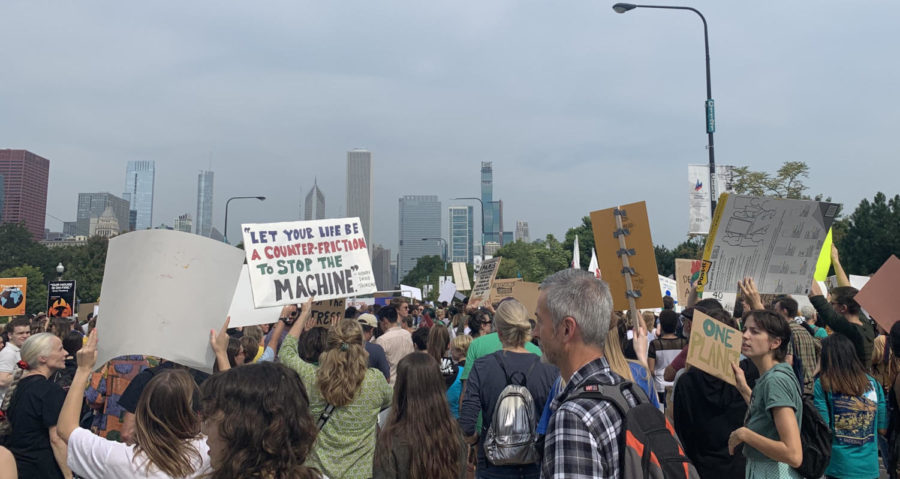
(815, 438)
(648, 447)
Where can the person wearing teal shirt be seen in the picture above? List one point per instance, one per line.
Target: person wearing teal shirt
(853, 405)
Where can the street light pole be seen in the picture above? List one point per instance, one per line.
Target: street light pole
(225, 233)
(482, 219)
(710, 104)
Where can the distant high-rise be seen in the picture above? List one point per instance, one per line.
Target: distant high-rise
(106, 225)
(508, 237)
(462, 235)
(420, 217)
(381, 268)
(360, 190)
(204, 204)
(315, 205)
(69, 228)
(93, 205)
(184, 223)
(522, 231)
(493, 215)
(140, 177)
(23, 190)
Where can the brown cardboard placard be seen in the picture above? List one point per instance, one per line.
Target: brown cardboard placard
(686, 270)
(324, 311)
(645, 278)
(527, 293)
(84, 309)
(879, 296)
(714, 347)
(503, 288)
(483, 279)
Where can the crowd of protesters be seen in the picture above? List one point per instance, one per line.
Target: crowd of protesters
(414, 390)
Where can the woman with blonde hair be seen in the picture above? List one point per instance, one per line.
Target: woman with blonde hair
(459, 347)
(30, 409)
(168, 443)
(344, 394)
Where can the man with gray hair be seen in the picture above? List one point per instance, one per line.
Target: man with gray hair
(583, 436)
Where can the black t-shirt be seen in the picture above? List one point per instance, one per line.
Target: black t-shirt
(132, 393)
(33, 410)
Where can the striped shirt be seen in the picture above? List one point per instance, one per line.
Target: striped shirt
(583, 435)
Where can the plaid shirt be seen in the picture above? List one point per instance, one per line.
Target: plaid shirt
(807, 347)
(583, 435)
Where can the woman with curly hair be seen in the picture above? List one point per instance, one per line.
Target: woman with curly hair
(408, 446)
(168, 443)
(344, 394)
(258, 423)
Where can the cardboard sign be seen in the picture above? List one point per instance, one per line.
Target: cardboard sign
(61, 299)
(162, 292)
(774, 241)
(326, 313)
(289, 262)
(503, 288)
(461, 277)
(12, 296)
(645, 278)
(714, 347)
(527, 293)
(687, 271)
(242, 312)
(880, 296)
(84, 309)
(483, 279)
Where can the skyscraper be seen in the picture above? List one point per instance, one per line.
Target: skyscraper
(204, 204)
(493, 215)
(522, 231)
(360, 190)
(92, 205)
(23, 194)
(381, 268)
(140, 177)
(315, 205)
(462, 234)
(420, 217)
(183, 223)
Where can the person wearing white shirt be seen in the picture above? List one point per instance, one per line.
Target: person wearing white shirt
(19, 330)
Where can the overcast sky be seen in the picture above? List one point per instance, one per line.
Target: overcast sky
(578, 108)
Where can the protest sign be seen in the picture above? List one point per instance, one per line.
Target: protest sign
(880, 296)
(714, 347)
(668, 287)
(823, 264)
(61, 299)
(448, 290)
(411, 292)
(639, 248)
(687, 271)
(699, 194)
(324, 313)
(84, 309)
(774, 241)
(483, 279)
(527, 293)
(12, 296)
(291, 261)
(503, 288)
(242, 312)
(162, 292)
(461, 277)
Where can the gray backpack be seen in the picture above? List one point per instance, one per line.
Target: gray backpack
(511, 437)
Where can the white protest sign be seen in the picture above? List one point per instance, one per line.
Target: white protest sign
(448, 290)
(668, 287)
(163, 291)
(242, 312)
(289, 262)
(411, 292)
(700, 215)
(483, 279)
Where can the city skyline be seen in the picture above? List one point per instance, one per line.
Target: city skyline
(420, 224)
(93, 205)
(314, 207)
(361, 191)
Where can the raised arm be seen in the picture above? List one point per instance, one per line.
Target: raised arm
(840, 275)
(219, 343)
(71, 410)
(748, 290)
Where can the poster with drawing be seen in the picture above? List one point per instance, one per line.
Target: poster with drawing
(774, 241)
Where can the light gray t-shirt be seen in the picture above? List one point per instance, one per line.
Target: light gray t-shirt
(9, 356)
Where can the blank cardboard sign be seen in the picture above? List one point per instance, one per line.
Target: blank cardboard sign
(879, 296)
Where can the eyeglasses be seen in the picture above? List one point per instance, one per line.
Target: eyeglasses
(485, 322)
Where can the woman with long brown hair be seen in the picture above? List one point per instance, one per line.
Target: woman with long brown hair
(168, 443)
(344, 394)
(410, 446)
(258, 423)
(438, 345)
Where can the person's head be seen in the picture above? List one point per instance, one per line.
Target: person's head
(839, 368)
(401, 305)
(19, 330)
(708, 305)
(253, 332)
(342, 367)
(368, 323)
(438, 342)
(60, 327)
(165, 423)
(687, 320)
(420, 309)
(72, 343)
(459, 347)
(312, 344)
(511, 321)
(420, 338)
(388, 316)
(724, 317)
(668, 321)
(668, 302)
(42, 353)
(234, 352)
(3, 340)
(573, 313)
(786, 306)
(808, 313)
(479, 323)
(351, 312)
(257, 422)
(895, 339)
(843, 300)
(250, 348)
(765, 333)
(649, 319)
(419, 393)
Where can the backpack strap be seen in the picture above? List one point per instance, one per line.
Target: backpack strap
(509, 378)
(326, 414)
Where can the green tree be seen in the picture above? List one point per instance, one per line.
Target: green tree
(427, 271)
(533, 261)
(787, 182)
(585, 233)
(36, 289)
(869, 236)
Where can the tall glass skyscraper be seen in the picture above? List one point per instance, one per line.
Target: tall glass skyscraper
(315, 205)
(360, 190)
(204, 203)
(420, 217)
(493, 214)
(140, 177)
(461, 234)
